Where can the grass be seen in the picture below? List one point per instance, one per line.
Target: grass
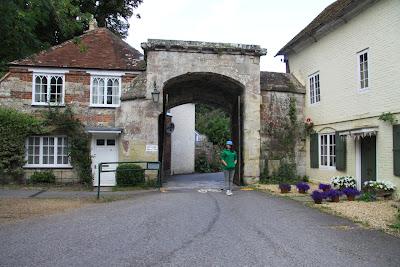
(54, 187)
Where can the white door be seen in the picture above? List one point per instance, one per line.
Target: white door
(105, 149)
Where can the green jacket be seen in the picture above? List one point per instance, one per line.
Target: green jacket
(229, 156)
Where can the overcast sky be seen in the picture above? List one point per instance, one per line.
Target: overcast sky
(268, 23)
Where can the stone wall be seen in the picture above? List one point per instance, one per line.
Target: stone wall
(277, 90)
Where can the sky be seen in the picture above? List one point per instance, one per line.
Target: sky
(268, 23)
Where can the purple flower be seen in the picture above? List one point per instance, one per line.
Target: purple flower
(351, 191)
(285, 187)
(303, 186)
(324, 187)
(333, 193)
(317, 195)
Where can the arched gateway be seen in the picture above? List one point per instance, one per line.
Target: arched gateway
(224, 75)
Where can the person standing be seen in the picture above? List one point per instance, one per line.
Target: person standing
(229, 161)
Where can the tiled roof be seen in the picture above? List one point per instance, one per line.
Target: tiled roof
(281, 82)
(95, 49)
(332, 13)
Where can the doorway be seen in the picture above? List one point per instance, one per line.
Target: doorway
(104, 149)
(368, 158)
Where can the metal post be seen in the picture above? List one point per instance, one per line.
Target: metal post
(239, 143)
(98, 181)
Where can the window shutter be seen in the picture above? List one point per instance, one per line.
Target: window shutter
(340, 152)
(396, 149)
(314, 151)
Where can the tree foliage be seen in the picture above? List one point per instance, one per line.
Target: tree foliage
(15, 127)
(28, 26)
(214, 123)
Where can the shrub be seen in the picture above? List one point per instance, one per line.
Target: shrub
(305, 179)
(324, 187)
(367, 197)
(303, 186)
(45, 177)
(15, 127)
(286, 173)
(201, 164)
(129, 174)
(342, 182)
(351, 192)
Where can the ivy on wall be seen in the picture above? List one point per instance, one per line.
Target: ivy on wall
(283, 131)
(16, 126)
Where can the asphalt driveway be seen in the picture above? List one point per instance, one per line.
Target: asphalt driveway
(189, 228)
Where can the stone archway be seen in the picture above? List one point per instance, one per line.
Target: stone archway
(211, 89)
(211, 65)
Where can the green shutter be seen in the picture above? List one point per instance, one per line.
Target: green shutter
(314, 157)
(396, 149)
(340, 152)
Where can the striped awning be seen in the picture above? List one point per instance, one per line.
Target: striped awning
(360, 132)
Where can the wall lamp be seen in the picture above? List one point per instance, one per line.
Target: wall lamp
(155, 95)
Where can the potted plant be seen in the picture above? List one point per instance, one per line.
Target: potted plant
(333, 195)
(302, 187)
(285, 188)
(351, 193)
(308, 126)
(379, 188)
(317, 196)
(342, 182)
(324, 187)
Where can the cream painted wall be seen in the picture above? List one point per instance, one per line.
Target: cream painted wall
(335, 57)
(342, 105)
(182, 139)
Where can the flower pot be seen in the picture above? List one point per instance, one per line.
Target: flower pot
(318, 201)
(335, 199)
(326, 190)
(302, 191)
(284, 191)
(351, 198)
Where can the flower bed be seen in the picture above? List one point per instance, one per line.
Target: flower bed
(342, 182)
(379, 188)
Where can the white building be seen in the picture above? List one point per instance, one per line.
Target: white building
(183, 139)
(348, 58)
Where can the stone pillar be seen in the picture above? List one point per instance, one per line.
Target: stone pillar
(251, 136)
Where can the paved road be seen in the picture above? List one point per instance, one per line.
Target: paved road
(188, 228)
(195, 181)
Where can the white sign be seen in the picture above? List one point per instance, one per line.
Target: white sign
(151, 148)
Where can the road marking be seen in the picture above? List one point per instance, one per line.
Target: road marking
(209, 190)
(247, 189)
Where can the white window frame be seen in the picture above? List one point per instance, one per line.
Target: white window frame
(48, 76)
(313, 90)
(106, 77)
(40, 164)
(366, 88)
(328, 154)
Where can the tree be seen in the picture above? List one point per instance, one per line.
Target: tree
(28, 26)
(214, 123)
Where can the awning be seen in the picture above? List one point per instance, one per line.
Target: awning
(359, 132)
(105, 130)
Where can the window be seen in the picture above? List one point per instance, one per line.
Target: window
(327, 150)
(363, 70)
(105, 91)
(47, 151)
(315, 95)
(48, 88)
